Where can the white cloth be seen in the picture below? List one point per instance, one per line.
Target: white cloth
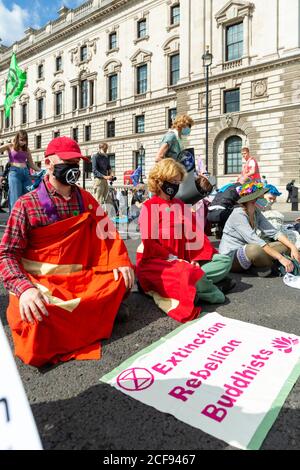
(292, 281)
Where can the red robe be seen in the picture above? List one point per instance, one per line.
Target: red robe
(167, 228)
(73, 267)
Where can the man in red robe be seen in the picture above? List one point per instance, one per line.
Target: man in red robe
(64, 264)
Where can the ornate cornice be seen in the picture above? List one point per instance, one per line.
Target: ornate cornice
(241, 72)
(67, 30)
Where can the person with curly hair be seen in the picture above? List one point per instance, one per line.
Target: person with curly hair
(171, 144)
(176, 263)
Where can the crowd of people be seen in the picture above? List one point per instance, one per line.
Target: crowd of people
(61, 254)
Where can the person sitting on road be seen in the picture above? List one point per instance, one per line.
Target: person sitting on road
(275, 217)
(244, 246)
(66, 275)
(176, 263)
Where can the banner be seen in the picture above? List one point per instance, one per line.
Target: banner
(223, 376)
(17, 427)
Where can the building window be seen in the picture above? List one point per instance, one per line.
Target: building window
(38, 141)
(91, 92)
(39, 164)
(113, 87)
(142, 72)
(88, 167)
(58, 63)
(58, 103)
(83, 53)
(233, 157)
(234, 42)
(24, 113)
(83, 94)
(110, 129)
(74, 101)
(6, 123)
(141, 28)
(139, 160)
(41, 71)
(232, 101)
(75, 133)
(175, 14)
(40, 108)
(87, 133)
(174, 69)
(172, 113)
(140, 124)
(56, 134)
(112, 41)
(112, 161)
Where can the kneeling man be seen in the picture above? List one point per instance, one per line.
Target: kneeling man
(64, 264)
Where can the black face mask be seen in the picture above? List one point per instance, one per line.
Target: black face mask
(67, 174)
(170, 189)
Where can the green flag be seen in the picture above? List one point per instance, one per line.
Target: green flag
(14, 84)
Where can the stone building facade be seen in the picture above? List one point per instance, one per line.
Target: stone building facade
(118, 71)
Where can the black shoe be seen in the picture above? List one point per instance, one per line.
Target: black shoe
(123, 313)
(226, 285)
(260, 271)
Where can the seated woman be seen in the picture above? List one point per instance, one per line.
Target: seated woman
(275, 217)
(176, 263)
(245, 247)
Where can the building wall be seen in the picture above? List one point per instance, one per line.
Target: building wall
(267, 75)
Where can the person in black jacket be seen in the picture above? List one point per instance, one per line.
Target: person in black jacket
(289, 188)
(4, 187)
(222, 206)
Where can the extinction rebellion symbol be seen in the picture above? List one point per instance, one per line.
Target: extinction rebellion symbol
(135, 379)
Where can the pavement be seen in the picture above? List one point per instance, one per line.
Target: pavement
(73, 410)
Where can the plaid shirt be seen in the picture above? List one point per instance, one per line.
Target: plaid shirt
(26, 215)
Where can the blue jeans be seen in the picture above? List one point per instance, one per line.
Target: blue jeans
(18, 179)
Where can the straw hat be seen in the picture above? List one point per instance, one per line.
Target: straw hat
(251, 191)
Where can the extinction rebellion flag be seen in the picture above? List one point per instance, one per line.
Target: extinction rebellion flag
(14, 84)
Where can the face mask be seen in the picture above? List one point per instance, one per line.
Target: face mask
(186, 131)
(67, 174)
(263, 204)
(170, 189)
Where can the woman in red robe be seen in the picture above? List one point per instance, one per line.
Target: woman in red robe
(176, 263)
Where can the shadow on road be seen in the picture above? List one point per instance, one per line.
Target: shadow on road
(104, 418)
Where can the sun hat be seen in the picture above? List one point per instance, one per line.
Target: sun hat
(251, 191)
(65, 148)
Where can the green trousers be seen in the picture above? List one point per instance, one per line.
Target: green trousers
(215, 270)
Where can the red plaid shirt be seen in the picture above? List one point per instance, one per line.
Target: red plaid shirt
(26, 215)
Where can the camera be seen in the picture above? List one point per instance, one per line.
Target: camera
(112, 180)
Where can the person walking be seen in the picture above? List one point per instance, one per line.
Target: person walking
(250, 169)
(289, 188)
(102, 174)
(20, 159)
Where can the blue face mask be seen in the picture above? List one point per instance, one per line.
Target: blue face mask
(186, 131)
(263, 204)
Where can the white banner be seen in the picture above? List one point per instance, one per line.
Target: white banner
(223, 376)
(17, 427)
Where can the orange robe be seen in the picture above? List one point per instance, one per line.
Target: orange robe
(73, 267)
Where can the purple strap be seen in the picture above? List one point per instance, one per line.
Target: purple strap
(48, 205)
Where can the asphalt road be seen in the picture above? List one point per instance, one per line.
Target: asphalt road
(73, 410)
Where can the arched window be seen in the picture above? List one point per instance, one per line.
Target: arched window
(233, 157)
